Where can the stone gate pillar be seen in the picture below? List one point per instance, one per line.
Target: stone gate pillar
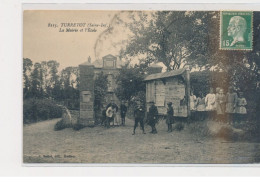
(86, 88)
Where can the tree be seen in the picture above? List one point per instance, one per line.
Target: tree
(192, 38)
(69, 83)
(66, 81)
(100, 90)
(130, 83)
(45, 77)
(171, 38)
(36, 81)
(27, 66)
(54, 86)
(253, 57)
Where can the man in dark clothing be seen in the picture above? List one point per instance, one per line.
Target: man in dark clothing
(169, 117)
(139, 116)
(123, 110)
(103, 119)
(152, 117)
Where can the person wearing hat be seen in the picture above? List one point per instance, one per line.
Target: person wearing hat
(169, 117)
(139, 116)
(152, 117)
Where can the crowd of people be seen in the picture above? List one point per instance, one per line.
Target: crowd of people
(229, 107)
(111, 111)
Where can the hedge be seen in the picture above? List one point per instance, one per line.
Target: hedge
(40, 109)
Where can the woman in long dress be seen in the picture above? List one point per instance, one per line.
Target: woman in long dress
(220, 104)
(231, 104)
(201, 107)
(193, 102)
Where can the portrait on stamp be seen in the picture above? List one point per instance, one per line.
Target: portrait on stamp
(236, 30)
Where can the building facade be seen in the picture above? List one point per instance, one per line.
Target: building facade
(173, 86)
(109, 66)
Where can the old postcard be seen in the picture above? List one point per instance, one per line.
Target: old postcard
(141, 87)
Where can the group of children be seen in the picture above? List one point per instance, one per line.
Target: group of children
(110, 114)
(229, 107)
(152, 116)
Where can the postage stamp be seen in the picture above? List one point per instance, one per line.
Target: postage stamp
(236, 30)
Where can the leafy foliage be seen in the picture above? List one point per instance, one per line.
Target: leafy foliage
(100, 90)
(60, 125)
(175, 38)
(40, 109)
(130, 83)
(69, 79)
(27, 66)
(78, 126)
(189, 38)
(202, 81)
(42, 80)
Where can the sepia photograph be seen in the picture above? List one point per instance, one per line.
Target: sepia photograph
(141, 87)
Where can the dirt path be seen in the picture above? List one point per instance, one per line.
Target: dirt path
(117, 145)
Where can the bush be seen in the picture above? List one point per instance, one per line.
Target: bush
(60, 125)
(40, 109)
(78, 126)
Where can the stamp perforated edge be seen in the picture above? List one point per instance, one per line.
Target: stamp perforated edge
(220, 31)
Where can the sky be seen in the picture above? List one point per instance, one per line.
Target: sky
(43, 42)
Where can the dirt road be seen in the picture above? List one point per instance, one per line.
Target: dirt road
(117, 145)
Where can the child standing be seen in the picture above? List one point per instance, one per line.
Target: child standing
(201, 107)
(169, 117)
(193, 104)
(220, 101)
(210, 103)
(241, 109)
(152, 117)
(139, 116)
(231, 104)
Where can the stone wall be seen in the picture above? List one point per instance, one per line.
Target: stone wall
(86, 94)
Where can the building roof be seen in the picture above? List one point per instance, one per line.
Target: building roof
(155, 66)
(165, 74)
(99, 62)
(109, 56)
(86, 63)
